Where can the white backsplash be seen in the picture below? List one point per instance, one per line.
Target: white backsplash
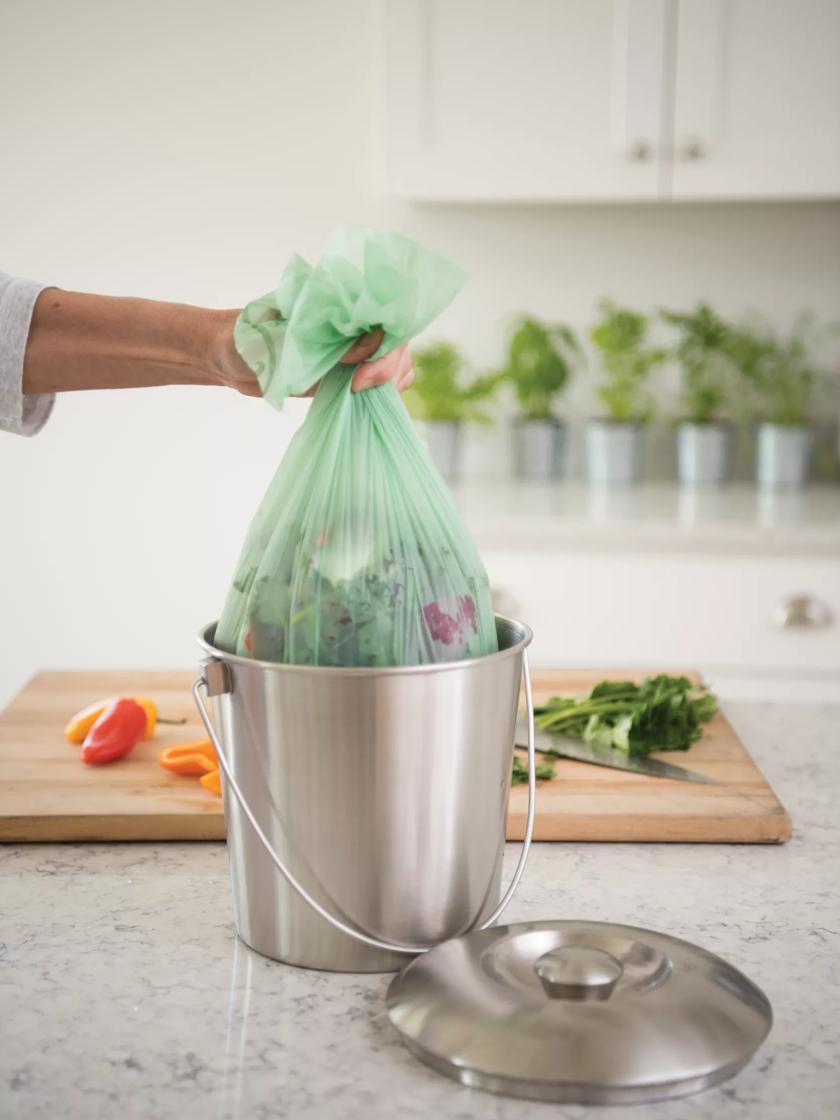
(192, 175)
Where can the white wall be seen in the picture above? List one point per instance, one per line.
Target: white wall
(181, 150)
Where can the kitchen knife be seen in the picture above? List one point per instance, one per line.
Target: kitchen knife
(555, 743)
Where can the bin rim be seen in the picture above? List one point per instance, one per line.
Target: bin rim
(207, 636)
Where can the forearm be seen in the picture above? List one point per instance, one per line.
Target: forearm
(79, 341)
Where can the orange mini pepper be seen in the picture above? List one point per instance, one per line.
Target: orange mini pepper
(192, 759)
(212, 781)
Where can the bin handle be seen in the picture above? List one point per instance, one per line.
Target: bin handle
(375, 943)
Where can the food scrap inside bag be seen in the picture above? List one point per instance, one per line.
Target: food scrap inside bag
(357, 555)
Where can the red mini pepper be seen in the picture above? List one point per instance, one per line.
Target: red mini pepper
(116, 731)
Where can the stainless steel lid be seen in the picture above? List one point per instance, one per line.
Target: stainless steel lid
(578, 1011)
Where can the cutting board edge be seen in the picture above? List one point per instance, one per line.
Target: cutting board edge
(105, 829)
(776, 828)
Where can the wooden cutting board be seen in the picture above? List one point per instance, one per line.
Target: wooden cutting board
(47, 794)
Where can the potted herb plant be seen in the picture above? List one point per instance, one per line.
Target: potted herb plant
(614, 443)
(540, 363)
(782, 375)
(705, 437)
(442, 402)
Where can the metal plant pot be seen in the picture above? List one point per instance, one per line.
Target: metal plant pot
(705, 453)
(614, 452)
(443, 440)
(538, 449)
(783, 456)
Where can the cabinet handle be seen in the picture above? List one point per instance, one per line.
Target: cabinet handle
(692, 150)
(640, 151)
(801, 612)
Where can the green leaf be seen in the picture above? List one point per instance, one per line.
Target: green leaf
(780, 373)
(703, 352)
(439, 392)
(620, 335)
(544, 771)
(661, 713)
(540, 363)
(621, 732)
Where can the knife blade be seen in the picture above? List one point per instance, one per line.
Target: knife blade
(552, 742)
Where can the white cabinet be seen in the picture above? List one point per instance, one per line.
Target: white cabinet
(611, 99)
(724, 615)
(756, 99)
(538, 99)
(744, 589)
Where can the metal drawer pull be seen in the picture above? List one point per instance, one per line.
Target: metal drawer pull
(640, 151)
(692, 150)
(801, 612)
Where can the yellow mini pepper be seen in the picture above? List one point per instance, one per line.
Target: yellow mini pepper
(78, 726)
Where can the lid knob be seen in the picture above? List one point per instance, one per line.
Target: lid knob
(575, 972)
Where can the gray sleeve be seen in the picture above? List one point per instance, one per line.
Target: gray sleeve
(23, 415)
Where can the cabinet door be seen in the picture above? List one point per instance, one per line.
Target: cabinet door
(757, 99)
(524, 99)
(731, 617)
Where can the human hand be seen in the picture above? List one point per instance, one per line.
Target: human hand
(395, 366)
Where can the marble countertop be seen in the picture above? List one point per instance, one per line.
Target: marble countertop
(737, 518)
(125, 994)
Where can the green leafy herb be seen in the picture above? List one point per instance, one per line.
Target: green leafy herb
(244, 581)
(703, 352)
(367, 618)
(541, 360)
(439, 393)
(621, 337)
(662, 713)
(545, 771)
(782, 372)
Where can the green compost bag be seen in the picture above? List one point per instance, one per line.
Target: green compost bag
(357, 555)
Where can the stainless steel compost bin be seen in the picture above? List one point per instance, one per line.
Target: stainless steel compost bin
(380, 796)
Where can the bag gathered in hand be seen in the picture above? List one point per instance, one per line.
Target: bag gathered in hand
(357, 555)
